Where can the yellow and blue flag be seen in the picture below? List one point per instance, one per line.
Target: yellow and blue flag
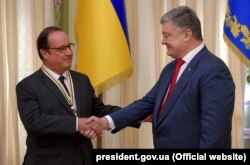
(103, 43)
(236, 28)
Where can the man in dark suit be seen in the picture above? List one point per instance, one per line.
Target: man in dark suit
(198, 111)
(54, 111)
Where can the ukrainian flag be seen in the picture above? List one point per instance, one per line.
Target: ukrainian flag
(103, 45)
(236, 28)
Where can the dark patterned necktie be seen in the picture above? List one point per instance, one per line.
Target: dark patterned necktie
(61, 79)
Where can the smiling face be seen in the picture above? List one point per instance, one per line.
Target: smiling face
(175, 39)
(58, 60)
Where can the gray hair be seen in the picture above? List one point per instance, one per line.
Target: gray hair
(184, 18)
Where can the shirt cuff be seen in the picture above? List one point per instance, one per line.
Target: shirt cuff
(111, 122)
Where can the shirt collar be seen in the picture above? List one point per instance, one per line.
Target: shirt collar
(188, 57)
(55, 75)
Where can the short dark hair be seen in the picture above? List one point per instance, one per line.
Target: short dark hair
(42, 39)
(186, 18)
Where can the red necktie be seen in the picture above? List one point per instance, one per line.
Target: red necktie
(178, 65)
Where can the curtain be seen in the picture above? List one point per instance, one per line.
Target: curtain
(9, 149)
(21, 22)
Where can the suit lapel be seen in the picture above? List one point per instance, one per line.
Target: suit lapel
(76, 92)
(54, 89)
(163, 87)
(179, 87)
(181, 84)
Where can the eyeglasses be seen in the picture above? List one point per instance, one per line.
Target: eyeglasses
(63, 49)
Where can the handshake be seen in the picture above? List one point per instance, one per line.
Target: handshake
(92, 127)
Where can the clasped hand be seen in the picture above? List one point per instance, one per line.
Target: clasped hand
(92, 127)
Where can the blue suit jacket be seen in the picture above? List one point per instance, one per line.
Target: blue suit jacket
(199, 111)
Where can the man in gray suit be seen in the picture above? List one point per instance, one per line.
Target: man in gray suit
(54, 104)
(193, 108)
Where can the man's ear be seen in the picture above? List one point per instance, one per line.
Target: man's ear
(44, 53)
(188, 34)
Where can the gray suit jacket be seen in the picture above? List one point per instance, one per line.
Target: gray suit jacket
(51, 124)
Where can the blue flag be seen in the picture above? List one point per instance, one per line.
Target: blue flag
(236, 28)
